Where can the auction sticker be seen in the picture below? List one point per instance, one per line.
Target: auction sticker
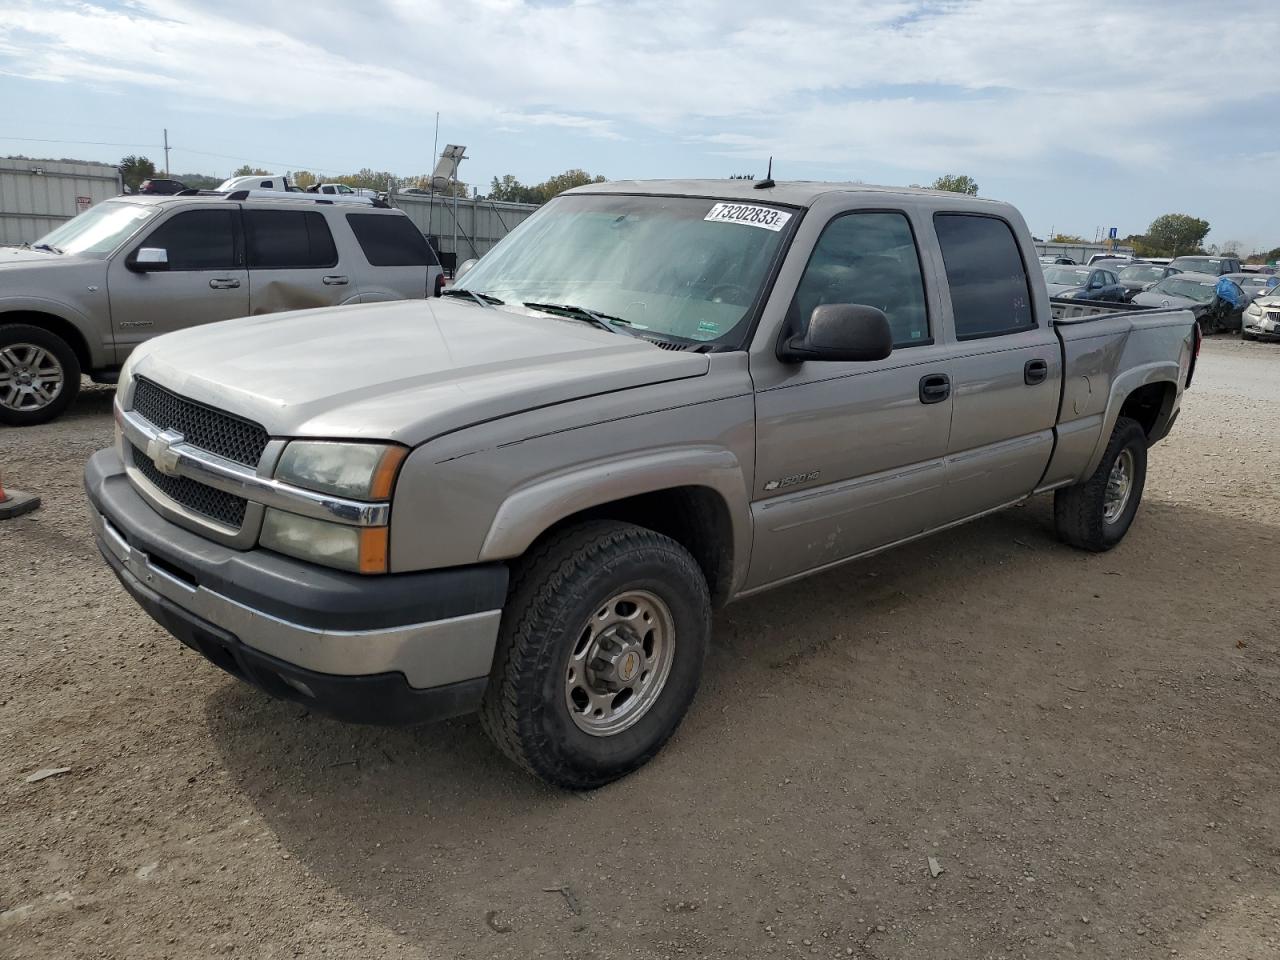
(749, 215)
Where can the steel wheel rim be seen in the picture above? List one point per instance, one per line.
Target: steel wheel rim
(31, 377)
(619, 663)
(1119, 487)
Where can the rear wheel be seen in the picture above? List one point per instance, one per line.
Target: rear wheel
(600, 653)
(1095, 515)
(39, 375)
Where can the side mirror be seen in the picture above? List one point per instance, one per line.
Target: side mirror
(1147, 286)
(841, 331)
(150, 259)
(464, 268)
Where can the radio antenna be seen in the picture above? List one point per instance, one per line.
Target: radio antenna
(767, 182)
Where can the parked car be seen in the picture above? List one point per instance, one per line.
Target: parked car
(1083, 283)
(1261, 319)
(1139, 276)
(164, 186)
(84, 296)
(526, 498)
(1059, 260)
(1214, 266)
(1255, 284)
(1115, 261)
(1197, 292)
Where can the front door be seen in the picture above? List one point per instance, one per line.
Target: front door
(1006, 368)
(293, 262)
(205, 279)
(849, 456)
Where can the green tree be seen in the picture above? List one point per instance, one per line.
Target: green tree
(554, 186)
(248, 170)
(199, 181)
(1175, 234)
(957, 183)
(513, 191)
(1066, 238)
(135, 169)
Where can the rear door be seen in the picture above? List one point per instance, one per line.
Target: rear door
(1006, 367)
(205, 280)
(395, 261)
(293, 261)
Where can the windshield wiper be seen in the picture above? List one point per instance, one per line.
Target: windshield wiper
(46, 246)
(484, 299)
(604, 321)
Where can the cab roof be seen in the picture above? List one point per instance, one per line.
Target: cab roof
(796, 193)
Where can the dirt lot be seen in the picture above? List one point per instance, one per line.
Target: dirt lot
(1086, 744)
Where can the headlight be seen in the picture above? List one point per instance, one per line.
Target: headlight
(1254, 308)
(361, 471)
(358, 549)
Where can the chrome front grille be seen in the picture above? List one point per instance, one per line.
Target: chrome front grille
(225, 434)
(219, 506)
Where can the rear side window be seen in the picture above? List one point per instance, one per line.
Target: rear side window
(990, 295)
(870, 259)
(389, 240)
(280, 239)
(197, 240)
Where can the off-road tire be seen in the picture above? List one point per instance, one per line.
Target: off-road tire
(18, 333)
(1079, 511)
(555, 590)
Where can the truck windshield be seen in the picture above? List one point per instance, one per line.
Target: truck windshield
(1201, 291)
(99, 230)
(673, 266)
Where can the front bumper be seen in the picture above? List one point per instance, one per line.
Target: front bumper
(1264, 327)
(388, 649)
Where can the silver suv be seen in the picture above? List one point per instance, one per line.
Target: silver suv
(81, 298)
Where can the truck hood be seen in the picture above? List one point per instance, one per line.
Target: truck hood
(21, 258)
(1168, 302)
(1064, 289)
(404, 371)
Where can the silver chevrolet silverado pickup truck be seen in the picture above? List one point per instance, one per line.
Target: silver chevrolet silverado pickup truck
(82, 297)
(526, 498)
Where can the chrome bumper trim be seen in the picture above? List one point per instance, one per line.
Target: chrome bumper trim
(235, 478)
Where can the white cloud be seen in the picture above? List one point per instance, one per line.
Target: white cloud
(988, 85)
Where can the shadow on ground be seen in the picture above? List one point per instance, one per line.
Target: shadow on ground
(1071, 736)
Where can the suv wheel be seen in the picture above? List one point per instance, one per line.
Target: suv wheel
(1095, 515)
(39, 375)
(600, 653)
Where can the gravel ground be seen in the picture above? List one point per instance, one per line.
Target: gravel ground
(1085, 744)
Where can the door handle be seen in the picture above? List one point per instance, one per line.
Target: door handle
(224, 283)
(1035, 371)
(935, 388)
(335, 281)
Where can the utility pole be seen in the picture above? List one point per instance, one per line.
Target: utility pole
(431, 200)
(166, 151)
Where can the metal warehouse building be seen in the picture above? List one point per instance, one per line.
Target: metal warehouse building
(480, 223)
(37, 195)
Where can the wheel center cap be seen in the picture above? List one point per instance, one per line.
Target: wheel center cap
(25, 378)
(629, 666)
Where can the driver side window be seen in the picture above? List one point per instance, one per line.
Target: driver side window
(870, 259)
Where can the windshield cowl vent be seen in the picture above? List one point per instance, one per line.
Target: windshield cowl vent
(668, 345)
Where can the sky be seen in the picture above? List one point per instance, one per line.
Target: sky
(1085, 115)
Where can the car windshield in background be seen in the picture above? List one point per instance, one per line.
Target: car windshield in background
(1201, 291)
(1069, 275)
(1144, 274)
(674, 266)
(1199, 265)
(99, 230)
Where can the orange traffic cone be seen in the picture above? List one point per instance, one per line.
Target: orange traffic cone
(14, 503)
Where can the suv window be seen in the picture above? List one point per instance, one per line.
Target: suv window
(389, 240)
(280, 239)
(990, 296)
(197, 240)
(871, 259)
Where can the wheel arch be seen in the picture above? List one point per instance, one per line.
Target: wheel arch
(698, 498)
(57, 325)
(1149, 391)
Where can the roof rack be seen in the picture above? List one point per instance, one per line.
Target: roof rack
(328, 200)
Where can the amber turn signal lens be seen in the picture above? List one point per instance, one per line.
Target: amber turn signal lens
(373, 549)
(384, 476)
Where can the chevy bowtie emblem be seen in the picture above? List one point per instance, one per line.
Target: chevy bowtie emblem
(160, 450)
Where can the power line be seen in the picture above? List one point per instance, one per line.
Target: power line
(319, 168)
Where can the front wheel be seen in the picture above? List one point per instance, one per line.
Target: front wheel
(39, 375)
(1095, 515)
(600, 653)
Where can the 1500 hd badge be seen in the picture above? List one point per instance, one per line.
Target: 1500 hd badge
(792, 480)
